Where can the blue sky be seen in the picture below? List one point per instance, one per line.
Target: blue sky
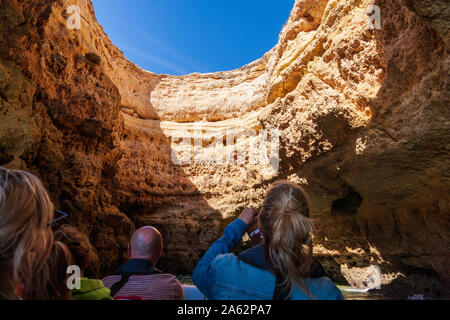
(184, 36)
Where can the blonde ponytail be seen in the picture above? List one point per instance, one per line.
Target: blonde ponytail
(287, 230)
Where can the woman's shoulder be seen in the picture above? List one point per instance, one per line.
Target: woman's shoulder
(324, 289)
(231, 261)
(230, 265)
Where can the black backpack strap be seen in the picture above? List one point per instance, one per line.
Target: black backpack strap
(125, 277)
(119, 284)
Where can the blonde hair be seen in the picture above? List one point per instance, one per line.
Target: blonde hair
(50, 283)
(71, 247)
(25, 238)
(287, 231)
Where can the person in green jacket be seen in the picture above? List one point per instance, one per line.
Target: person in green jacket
(86, 258)
(91, 289)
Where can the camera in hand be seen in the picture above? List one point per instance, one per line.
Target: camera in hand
(254, 234)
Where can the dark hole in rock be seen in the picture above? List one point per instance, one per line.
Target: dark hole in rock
(5, 158)
(349, 204)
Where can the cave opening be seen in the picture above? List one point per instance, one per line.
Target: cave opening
(349, 204)
(207, 41)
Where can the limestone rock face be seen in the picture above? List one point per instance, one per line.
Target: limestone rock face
(61, 120)
(362, 115)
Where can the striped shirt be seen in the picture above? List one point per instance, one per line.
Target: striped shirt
(148, 287)
(145, 281)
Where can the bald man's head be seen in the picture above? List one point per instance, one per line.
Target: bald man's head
(146, 243)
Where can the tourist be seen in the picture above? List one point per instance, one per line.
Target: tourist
(139, 277)
(279, 269)
(86, 259)
(25, 236)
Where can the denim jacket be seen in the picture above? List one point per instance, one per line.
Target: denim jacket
(220, 275)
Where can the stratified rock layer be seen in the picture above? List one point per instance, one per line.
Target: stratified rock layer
(362, 114)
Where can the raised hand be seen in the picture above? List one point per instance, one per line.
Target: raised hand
(249, 216)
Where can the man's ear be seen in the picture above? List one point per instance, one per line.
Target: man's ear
(158, 257)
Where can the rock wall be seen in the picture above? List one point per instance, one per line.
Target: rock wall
(362, 114)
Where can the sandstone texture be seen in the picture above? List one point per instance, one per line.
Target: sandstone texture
(362, 114)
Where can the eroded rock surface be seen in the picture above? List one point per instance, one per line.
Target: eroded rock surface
(363, 117)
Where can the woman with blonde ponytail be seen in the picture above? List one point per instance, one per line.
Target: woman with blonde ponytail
(25, 236)
(280, 267)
